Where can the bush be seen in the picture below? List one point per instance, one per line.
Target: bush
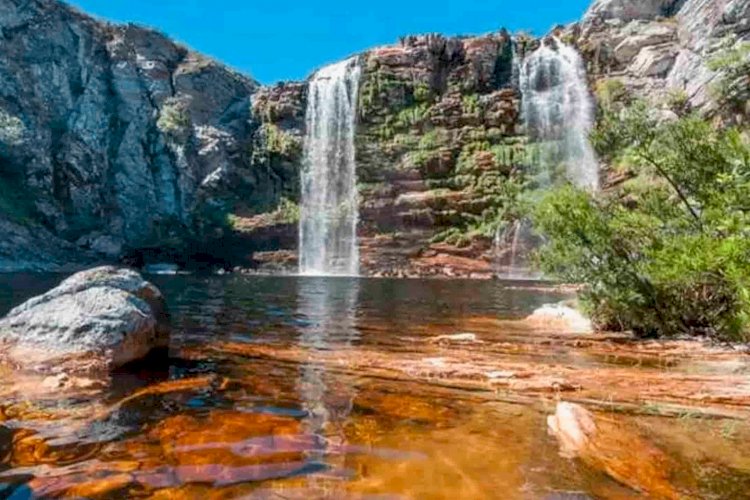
(733, 64)
(12, 129)
(669, 260)
(174, 119)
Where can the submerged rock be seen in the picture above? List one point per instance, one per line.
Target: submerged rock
(101, 318)
(611, 448)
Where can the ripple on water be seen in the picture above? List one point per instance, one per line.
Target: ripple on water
(314, 388)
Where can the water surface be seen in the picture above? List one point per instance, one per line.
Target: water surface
(251, 426)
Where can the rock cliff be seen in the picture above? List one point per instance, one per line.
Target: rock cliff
(117, 143)
(666, 48)
(112, 138)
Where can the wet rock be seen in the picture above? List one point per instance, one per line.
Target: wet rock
(457, 338)
(103, 317)
(611, 448)
(562, 317)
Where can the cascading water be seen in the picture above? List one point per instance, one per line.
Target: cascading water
(330, 206)
(558, 114)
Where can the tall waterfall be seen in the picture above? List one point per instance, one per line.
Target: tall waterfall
(558, 112)
(330, 208)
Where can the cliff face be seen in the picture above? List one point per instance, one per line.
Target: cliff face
(116, 142)
(438, 126)
(112, 137)
(661, 48)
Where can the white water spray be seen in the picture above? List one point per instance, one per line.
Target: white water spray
(558, 112)
(330, 205)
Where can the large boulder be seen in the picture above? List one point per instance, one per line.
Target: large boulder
(102, 318)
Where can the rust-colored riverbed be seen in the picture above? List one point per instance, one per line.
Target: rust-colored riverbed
(337, 388)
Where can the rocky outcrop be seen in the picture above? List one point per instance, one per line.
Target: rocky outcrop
(437, 117)
(117, 143)
(665, 49)
(98, 319)
(121, 138)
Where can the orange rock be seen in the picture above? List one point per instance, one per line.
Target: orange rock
(610, 447)
(228, 438)
(98, 487)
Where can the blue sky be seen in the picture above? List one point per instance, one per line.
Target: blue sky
(274, 40)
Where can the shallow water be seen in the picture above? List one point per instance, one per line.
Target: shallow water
(268, 394)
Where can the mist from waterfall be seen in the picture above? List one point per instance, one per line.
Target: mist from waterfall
(330, 206)
(558, 113)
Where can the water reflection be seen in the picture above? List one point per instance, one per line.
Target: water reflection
(328, 308)
(325, 388)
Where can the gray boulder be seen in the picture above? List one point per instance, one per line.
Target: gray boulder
(100, 318)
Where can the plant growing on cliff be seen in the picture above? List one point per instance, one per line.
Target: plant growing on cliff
(733, 63)
(665, 260)
(12, 129)
(470, 104)
(174, 119)
(280, 142)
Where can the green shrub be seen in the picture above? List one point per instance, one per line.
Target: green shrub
(280, 142)
(422, 92)
(733, 64)
(666, 260)
(12, 129)
(470, 104)
(412, 117)
(174, 119)
(610, 92)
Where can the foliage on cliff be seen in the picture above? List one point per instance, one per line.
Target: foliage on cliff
(666, 252)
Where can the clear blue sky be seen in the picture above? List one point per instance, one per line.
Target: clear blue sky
(274, 40)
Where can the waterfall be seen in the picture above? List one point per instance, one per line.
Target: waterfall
(558, 112)
(330, 206)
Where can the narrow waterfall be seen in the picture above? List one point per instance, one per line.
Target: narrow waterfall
(558, 112)
(558, 115)
(330, 208)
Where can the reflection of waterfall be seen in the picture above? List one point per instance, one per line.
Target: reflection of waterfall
(328, 307)
(558, 114)
(329, 211)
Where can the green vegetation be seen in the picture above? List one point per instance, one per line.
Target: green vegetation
(280, 142)
(288, 211)
(174, 119)
(668, 253)
(12, 129)
(733, 62)
(610, 92)
(471, 105)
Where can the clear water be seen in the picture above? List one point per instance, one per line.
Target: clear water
(263, 415)
(330, 204)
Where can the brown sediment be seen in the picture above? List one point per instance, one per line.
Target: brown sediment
(421, 413)
(519, 363)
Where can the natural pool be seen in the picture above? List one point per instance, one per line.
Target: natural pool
(284, 387)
